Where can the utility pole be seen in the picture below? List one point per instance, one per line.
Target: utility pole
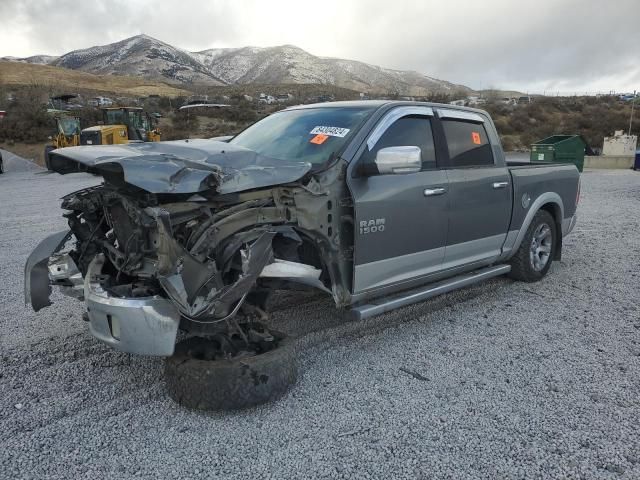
(633, 103)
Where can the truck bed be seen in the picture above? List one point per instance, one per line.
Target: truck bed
(535, 178)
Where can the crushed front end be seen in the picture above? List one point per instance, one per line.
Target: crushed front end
(147, 264)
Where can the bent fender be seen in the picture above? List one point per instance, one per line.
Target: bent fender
(37, 288)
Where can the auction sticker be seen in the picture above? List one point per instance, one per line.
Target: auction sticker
(330, 131)
(319, 139)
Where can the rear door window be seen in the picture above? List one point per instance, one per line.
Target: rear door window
(468, 144)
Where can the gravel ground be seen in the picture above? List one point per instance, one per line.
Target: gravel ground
(502, 380)
(13, 163)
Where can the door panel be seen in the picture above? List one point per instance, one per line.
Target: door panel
(412, 240)
(401, 219)
(480, 192)
(479, 213)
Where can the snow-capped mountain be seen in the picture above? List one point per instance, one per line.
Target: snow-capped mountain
(140, 56)
(147, 57)
(290, 64)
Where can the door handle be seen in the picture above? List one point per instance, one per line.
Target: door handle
(431, 192)
(500, 184)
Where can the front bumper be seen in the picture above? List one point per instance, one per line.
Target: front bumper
(145, 326)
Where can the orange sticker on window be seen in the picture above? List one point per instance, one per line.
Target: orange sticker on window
(319, 139)
(475, 136)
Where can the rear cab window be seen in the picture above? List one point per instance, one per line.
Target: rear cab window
(467, 143)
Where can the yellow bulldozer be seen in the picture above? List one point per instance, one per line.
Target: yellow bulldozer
(67, 133)
(121, 125)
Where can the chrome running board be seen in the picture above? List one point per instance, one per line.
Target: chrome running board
(423, 293)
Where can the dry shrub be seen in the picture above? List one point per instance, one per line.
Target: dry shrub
(27, 120)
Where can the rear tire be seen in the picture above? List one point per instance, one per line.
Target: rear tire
(533, 259)
(229, 384)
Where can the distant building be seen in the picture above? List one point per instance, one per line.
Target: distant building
(203, 106)
(620, 144)
(459, 103)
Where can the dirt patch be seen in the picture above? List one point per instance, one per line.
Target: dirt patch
(33, 152)
(21, 74)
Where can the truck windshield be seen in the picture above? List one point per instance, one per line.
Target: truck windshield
(307, 135)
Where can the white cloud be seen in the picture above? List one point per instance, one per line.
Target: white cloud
(567, 45)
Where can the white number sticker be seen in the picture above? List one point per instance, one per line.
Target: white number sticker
(331, 131)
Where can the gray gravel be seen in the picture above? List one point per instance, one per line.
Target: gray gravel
(13, 163)
(503, 380)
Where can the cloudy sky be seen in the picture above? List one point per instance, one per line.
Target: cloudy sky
(552, 45)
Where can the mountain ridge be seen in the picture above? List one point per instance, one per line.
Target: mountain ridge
(150, 58)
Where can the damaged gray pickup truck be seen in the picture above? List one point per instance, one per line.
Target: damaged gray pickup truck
(378, 204)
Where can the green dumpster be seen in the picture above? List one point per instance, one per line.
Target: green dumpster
(560, 149)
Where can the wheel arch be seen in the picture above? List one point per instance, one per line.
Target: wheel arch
(556, 212)
(316, 251)
(294, 244)
(552, 203)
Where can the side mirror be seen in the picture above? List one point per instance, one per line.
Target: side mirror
(399, 160)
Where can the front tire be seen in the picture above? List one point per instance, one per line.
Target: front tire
(196, 380)
(533, 259)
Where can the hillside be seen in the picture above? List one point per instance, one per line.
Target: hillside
(139, 56)
(592, 117)
(150, 58)
(37, 59)
(25, 74)
(290, 64)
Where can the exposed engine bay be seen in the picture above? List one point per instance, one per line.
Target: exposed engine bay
(208, 256)
(192, 235)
